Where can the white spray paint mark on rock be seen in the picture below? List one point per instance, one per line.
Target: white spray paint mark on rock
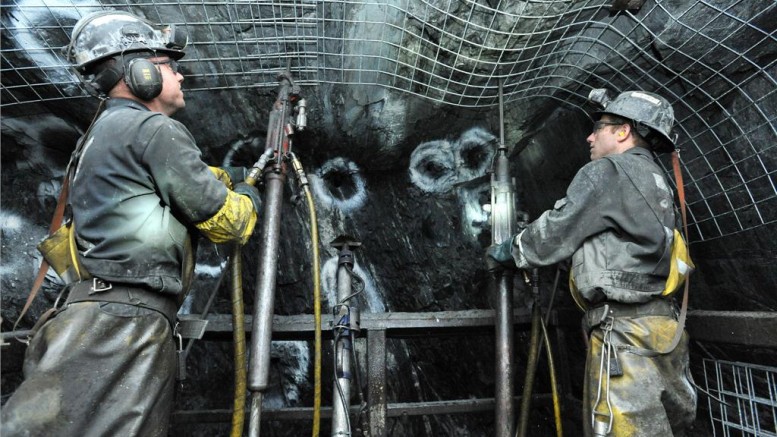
(370, 297)
(20, 236)
(10, 222)
(26, 32)
(338, 183)
(474, 152)
(436, 166)
(210, 271)
(433, 166)
(294, 359)
(471, 198)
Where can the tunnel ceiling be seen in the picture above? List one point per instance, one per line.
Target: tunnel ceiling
(713, 60)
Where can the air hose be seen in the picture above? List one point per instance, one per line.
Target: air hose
(303, 182)
(537, 329)
(238, 315)
(239, 338)
(531, 368)
(553, 383)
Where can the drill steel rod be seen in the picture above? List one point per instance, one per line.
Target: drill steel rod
(267, 269)
(341, 425)
(261, 329)
(502, 228)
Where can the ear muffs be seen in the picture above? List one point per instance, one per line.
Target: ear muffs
(143, 79)
(102, 82)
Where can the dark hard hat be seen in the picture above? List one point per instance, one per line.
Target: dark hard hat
(104, 34)
(652, 115)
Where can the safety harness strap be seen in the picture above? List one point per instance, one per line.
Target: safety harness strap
(678, 176)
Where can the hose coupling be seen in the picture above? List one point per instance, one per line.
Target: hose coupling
(255, 172)
(302, 114)
(297, 165)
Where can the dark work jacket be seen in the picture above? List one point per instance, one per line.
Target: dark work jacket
(616, 223)
(139, 187)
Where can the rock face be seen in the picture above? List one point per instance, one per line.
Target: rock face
(403, 123)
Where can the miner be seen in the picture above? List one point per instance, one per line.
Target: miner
(617, 224)
(105, 363)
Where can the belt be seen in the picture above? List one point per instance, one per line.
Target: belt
(656, 307)
(98, 290)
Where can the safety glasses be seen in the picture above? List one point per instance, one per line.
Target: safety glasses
(172, 63)
(600, 124)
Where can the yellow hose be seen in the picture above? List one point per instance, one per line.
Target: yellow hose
(239, 339)
(316, 313)
(531, 368)
(553, 383)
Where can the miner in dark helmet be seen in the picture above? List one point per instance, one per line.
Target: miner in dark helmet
(617, 224)
(140, 194)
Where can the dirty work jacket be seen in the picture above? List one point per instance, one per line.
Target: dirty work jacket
(139, 192)
(615, 222)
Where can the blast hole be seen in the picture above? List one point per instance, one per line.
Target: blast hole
(473, 156)
(340, 183)
(433, 169)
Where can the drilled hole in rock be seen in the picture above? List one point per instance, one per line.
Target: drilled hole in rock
(340, 183)
(473, 157)
(433, 169)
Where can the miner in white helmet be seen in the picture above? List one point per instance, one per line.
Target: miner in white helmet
(140, 193)
(617, 224)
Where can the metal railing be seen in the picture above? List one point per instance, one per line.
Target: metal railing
(747, 398)
(376, 330)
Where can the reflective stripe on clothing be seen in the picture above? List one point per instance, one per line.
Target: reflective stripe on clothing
(96, 369)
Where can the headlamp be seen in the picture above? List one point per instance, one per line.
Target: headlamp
(600, 96)
(177, 37)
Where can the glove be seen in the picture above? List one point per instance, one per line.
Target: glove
(500, 256)
(236, 174)
(245, 189)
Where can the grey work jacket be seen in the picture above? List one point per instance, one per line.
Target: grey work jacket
(139, 187)
(615, 222)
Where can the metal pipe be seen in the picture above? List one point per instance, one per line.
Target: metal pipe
(261, 329)
(341, 396)
(505, 374)
(267, 268)
(502, 228)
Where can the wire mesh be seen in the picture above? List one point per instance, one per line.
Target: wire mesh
(747, 398)
(715, 61)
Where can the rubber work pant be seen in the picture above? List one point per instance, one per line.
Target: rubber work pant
(96, 369)
(655, 395)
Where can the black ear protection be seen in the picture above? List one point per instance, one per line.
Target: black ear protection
(143, 78)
